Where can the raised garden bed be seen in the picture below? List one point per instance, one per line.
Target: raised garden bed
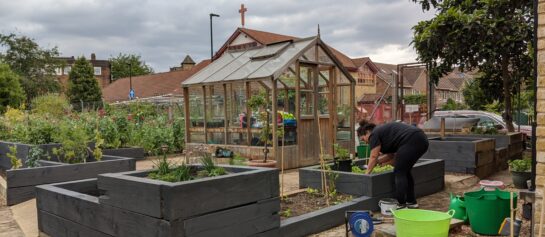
(428, 177)
(317, 217)
(514, 142)
(244, 202)
(17, 185)
(469, 155)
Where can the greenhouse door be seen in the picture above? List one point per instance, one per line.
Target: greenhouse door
(307, 129)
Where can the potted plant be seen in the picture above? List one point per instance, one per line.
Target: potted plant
(520, 172)
(342, 159)
(258, 103)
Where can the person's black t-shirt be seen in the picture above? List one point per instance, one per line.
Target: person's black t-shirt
(391, 136)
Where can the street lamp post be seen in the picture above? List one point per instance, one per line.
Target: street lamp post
(211, 37)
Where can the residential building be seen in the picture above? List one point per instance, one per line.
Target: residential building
(101, 68)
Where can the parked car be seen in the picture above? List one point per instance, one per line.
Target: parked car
(486, 119)
(452, 122)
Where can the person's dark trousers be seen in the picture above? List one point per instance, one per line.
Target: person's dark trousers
(406, 156)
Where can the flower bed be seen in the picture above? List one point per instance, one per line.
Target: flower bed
(17, 185)
(243, 202)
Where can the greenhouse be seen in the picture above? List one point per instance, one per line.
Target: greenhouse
(231, 103)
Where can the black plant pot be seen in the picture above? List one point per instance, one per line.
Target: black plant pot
(343, 165)
(519, 179)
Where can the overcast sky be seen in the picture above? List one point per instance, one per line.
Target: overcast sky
(162, 32)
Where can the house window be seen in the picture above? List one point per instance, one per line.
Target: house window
(58, 71)
(98, 71)
(67, 70)
(365, 76)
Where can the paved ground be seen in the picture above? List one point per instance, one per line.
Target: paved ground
(26, 225)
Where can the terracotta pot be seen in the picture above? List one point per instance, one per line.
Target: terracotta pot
(260, 163)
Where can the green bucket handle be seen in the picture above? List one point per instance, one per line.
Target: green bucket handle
(451, 212)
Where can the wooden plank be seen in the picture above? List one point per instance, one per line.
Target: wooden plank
(128, 192)
(234, 190)
(226, 116)
(248, 115)
(59, 227)
(240, 221)
(18, 195)
(187, 116)
(130, 152)
(274, 116)
(205, 114)
(62, 173)
(298, 110)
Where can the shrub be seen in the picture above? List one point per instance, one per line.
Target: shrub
(178, 128)
(41, 131)
(13, 115)
(11, 91)
(109, 132)
(50, 104)
(73, 139)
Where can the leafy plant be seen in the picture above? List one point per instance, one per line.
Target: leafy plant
(97, 151)
(313, 191)
(12, 155)
(523, 165)
(341, 153)
(210, 168)
(484, 130)
(109, 132)
(41, 131)
(73, 139)
(178, 128)
(52, 104)
(286, 213)
(14, 115)
(415, 99)
(376, 170)
(35, 154)
(10, 88)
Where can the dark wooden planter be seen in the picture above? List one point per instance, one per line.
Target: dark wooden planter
(514, 142)
(243, 203)
(428, 177)
(470, 155)
(131, 152)
(22, 152)
(17, 186)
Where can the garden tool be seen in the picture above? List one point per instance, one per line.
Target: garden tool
(458, 205)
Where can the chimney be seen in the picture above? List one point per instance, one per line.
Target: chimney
(93, 57)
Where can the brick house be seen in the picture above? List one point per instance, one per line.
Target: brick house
(102, 70)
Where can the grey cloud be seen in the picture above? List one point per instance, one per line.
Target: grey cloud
(163, 32)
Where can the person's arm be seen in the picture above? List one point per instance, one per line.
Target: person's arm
(387, 159)
(373, 159)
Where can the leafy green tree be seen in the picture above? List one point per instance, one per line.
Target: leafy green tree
(35, 65)
(121, 68)
(82, 85)
(474, 95)
(453, 105)
(11, 92)
(416, 99)
(493, 36)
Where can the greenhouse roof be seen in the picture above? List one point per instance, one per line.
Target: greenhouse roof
(258, 63)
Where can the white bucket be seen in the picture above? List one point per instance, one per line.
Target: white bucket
(386, 205)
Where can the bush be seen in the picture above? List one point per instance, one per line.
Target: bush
(74, 140)
(179, 133)
(155, 134)
(41, 131)
(50, 104)
(109, 132)
(11, 92)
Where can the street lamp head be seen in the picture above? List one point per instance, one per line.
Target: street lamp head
(212, 14)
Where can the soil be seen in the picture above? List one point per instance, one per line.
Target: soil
(305, 202)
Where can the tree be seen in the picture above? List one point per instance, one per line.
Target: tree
(11, 92)
(415, 99)
(82, 86)
(120, 66)
(474, 95)
(35, 65)
(493, 36)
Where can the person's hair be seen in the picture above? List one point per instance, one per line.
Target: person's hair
(365, 127)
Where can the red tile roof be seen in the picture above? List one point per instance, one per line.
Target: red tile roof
(150, 85)
(265, 38)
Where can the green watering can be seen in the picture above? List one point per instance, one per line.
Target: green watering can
(458, 205)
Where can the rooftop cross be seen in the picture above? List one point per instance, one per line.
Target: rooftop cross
(242, 11)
